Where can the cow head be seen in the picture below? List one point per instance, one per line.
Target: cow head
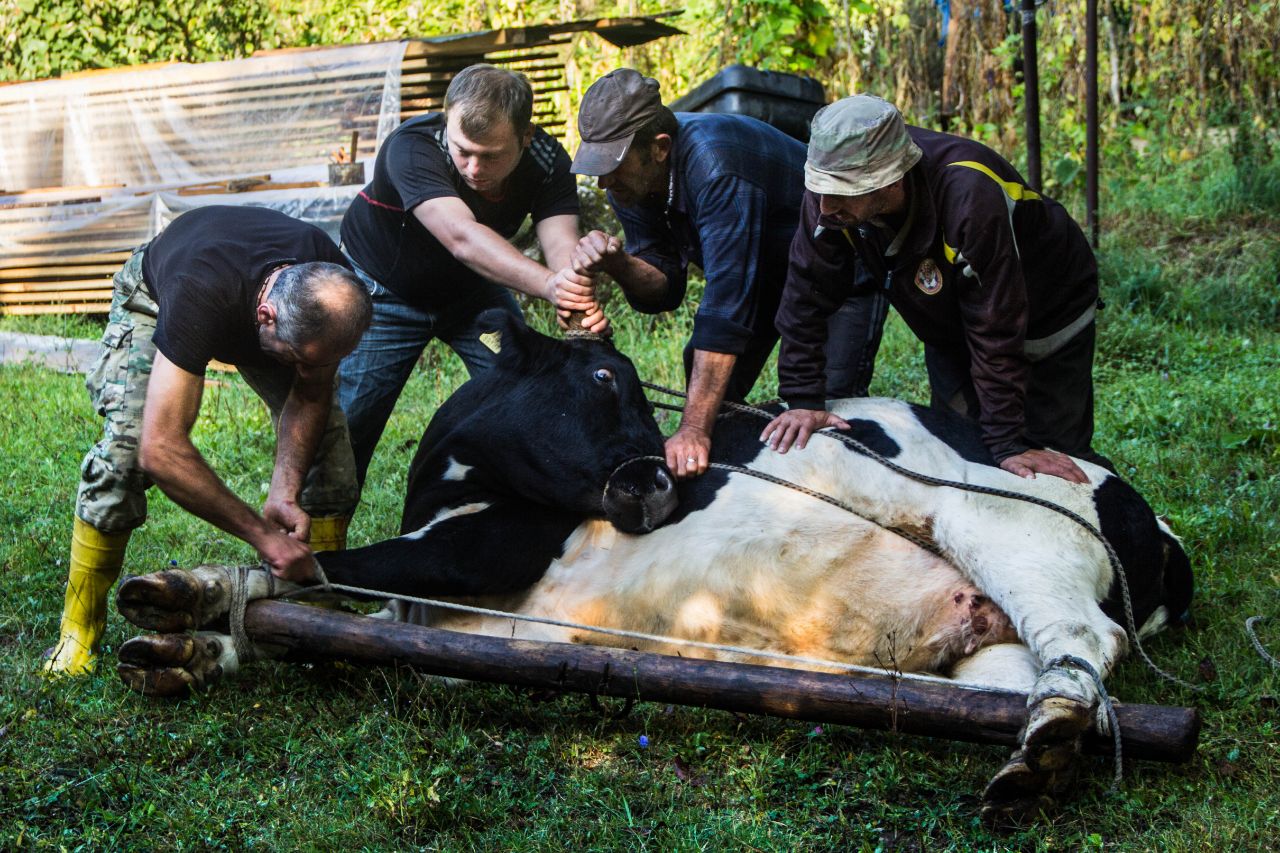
(560, 423)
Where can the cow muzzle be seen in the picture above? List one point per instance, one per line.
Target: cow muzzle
(639, 496)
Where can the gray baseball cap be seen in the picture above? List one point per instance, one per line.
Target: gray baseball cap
(858, 145)
(614, 108)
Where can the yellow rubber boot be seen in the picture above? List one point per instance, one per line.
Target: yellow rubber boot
(96, 559)
(329, 532)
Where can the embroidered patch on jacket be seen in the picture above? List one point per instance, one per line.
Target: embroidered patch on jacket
(929, 277)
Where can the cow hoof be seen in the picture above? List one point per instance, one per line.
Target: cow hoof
(1055, 727)
(164, 601)
(179, 600)
(1060, 710)
(172, 665)
(1016, 793)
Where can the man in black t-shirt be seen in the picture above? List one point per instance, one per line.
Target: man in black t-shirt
(429, 237)
(250, 287)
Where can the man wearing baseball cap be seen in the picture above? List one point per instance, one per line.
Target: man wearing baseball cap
(996, 279)
(719, 191)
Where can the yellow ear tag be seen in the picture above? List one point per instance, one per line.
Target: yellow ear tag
(493, 340)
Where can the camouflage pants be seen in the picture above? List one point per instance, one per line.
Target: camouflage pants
(113, 489)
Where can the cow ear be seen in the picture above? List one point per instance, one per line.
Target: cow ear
(507, 336)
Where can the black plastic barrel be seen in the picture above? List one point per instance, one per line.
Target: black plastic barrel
(786, 101)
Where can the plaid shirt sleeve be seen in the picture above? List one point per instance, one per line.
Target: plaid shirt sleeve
(732, 214)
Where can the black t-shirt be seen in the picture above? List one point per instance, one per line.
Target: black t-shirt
(387, 241)
(205, 272)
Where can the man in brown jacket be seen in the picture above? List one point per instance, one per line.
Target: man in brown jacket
(996, 279)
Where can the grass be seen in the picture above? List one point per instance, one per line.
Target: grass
(331, 756)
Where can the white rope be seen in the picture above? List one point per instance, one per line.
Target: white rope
(638, 635)
(1105, 702)
(1257, 644)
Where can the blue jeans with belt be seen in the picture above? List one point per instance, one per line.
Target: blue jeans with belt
(371, 378)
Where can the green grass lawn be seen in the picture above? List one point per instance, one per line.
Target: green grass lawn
(331, 756)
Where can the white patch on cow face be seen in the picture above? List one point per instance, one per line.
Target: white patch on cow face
(446, 514)
(456, 470)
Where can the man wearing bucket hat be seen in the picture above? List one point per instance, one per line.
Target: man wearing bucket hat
(996, 279)
(719, 191)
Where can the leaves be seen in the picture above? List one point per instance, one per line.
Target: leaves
(55, 37)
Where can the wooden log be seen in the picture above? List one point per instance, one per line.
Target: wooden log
(1151, 732)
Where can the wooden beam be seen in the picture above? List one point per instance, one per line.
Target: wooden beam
(1152, 732)
(61, 308)
(103, 292)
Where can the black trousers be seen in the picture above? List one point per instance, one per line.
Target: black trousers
(1059, 404)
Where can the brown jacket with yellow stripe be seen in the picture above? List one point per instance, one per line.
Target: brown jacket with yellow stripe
(982, 262)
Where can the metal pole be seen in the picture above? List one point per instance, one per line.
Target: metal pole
(1091, 120)
(1031, 83)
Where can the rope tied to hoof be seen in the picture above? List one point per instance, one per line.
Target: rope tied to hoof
(241, 643)
(1105, 702)
(246, 650)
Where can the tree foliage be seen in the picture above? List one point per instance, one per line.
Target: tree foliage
(1167, 68)
(49, 38)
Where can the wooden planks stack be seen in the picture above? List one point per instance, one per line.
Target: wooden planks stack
(67, 269)
(77, 285)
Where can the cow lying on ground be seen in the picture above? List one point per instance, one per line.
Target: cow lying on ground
(538, 489)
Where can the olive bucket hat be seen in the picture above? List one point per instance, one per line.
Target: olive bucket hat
(858, 145)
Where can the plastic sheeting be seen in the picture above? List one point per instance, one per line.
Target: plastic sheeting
(187, 123)
(119, 223)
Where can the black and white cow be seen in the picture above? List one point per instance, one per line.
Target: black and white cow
(537, 489)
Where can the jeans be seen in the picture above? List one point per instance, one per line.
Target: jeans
(371, 378)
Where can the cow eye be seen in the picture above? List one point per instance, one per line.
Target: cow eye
(603, 374)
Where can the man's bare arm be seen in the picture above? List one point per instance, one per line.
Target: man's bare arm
(302, 423)
(599, 252)
(169, 458)
(482, 249)
(689, 448)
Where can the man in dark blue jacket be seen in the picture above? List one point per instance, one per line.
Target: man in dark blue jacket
(719, 191)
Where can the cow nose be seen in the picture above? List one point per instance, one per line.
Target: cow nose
(640, 496)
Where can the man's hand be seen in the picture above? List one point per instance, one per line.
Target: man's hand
(596, 252)
(571, 291)
(593, 320)
(288, 558)
(794, 426)
(688, 452)
(1031, 462)
(289, 517)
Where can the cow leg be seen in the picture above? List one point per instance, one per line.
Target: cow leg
(1003, 666)
(180, 600)
(1049, 585)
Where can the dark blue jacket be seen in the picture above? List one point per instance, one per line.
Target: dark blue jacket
(731, 209)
